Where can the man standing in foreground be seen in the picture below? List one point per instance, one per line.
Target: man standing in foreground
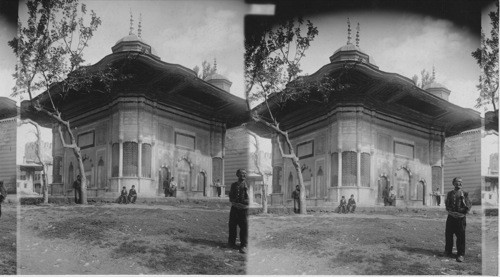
(457, 205)
(238, 215)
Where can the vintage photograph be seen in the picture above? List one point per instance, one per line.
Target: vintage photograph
(377, 130)
(127, 105)
(249, 137)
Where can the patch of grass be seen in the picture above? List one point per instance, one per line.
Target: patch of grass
(181, 241)
(349, 256)
(131, 248)
(82, 228)
(8, 262)
(174, 258)
(295, 238)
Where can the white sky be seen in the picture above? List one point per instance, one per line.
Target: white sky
(404, 43)
(188, 32)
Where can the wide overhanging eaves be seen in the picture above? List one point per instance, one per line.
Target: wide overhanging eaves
(8, 108)
(170, 84)
(374, 89)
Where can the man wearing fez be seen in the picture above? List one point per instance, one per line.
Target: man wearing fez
(458, 205)
(238, 215)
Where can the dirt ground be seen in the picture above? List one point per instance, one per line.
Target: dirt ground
(490, 246)
(8, 240)
(125, 239)
(361, 244)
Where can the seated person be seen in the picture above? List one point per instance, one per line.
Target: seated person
(132, 195)
(351, 204)
(342, 206)
(123, 196)
(392, 197)
(173, 187)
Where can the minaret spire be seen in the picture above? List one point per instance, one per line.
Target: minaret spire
(131, 23)
(433, 73)
(215, 65)
(357, 35)
(348, 31)
(139, 29)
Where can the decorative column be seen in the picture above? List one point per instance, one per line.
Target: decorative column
(358, 168)
(153, 164)
(339, 150)
(120, 158)
(340, 167)
(442, 173)
(223, 154)
(139, 157)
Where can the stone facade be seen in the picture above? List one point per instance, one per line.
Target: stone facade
(161, 122)
(379, 130)
(142, 143)
(357, 151)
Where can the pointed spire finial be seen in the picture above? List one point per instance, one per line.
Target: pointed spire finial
(131, 23)
(348, 31)
(357, 35)
(139, 29)
(215, 65)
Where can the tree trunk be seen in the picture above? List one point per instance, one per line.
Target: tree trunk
(264, 198)
(79, 158)
(302, 200)
(45, 188)
(39, 155)
(45, 184)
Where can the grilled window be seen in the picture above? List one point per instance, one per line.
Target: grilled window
(146, 160)
(335, 170)
(349, 168)
(115, 156)
(130, 159)
(437, 174)
(365, 169)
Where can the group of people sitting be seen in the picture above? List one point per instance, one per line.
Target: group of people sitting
(347, 206)
(344, 207)
(129, 197)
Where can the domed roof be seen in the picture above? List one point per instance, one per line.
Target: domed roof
(351, 52)
(130, 37)
(434, 85)
(132, 42)
(349, 47)
(216, 76)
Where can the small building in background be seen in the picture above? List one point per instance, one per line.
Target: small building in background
(30, 172)
(29, 179)
(489, 167)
